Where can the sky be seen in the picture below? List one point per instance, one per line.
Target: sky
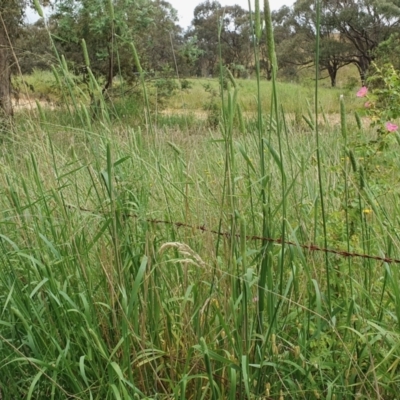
(185, 8)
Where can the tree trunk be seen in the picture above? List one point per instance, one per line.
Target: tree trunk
(268, 70)
(363, 64)
(110, 72)
(332, 70)
(5, 75)
(204, 68)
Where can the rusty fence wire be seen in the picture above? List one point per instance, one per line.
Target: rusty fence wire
(202, 228)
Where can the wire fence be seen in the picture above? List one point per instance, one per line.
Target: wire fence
(310, 247)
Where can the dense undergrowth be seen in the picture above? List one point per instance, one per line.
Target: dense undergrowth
(100, 301)
(129, 267)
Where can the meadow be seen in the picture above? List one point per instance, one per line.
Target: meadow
(174, 249)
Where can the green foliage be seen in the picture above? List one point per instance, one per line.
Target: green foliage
(388, 51)
(381, 106)
(350, 33)
(190, 50)
(383, 98)
(88, 289)
(150, 25)
(212, 106)
(33, 49)
(214, 27)
(239, 71)
(186, 84)
(351, 83)
(12, 12)
(166, 85)
(139, 260)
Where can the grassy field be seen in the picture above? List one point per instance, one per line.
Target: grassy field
(42, 85)
(130, 266)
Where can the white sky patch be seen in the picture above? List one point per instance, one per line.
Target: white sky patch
(31, 16)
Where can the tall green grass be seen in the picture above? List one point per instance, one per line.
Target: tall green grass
(104, 296)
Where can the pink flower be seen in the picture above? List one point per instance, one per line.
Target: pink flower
(368, 104)
(391, 127)
(362, 92)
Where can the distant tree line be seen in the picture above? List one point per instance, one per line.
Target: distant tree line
(351, 32)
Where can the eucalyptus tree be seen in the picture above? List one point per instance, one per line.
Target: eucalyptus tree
(162, 43)
(205, 30)
(297, 47)
(364, 24)
(350, 32)
(11, 17)
(106, 26)
(236, 34)
(388, 52)
(226, 28)
(33, 48)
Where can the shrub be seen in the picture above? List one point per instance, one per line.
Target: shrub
(382, 98)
